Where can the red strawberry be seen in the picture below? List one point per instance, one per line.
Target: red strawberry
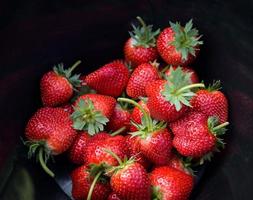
(197, 136)
(136, 115)
(171, 184)
(141, 76)
(78, 148)
(68, 108)
(133, 144)
(113, 196)
(178, 45)
(141, 47)
(120, 118)
(81, 183)
(181, 164)
(155, 140)
(56, 86)
(193, 77)
(169, 100)
(211, 102)
(111, 79)
(49, 132)
(92, 112)
(97, 155)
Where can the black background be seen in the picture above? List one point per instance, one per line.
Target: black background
(36, 34)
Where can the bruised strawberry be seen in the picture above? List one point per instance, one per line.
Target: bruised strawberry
(169, 100)
(49, 132)
(111, 79)
(57, 86)
(178, 45)
(81, 183)
(78, 148)
(141, 76)
(92, 112)
(211, 102)
(169, 183)
(120, 118)
(141, 47)
(197, 136)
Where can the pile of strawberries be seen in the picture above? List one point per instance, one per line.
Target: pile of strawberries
(133, 127)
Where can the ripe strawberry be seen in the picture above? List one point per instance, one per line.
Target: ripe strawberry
(193, 77)
(197, 136)
(169, 183)
(178, 45)
(141, 76)
(81, 183)
(92, 112)
(169, 100)
(181, 164)
(155, 138)
(68, 108)
(141, 47)
(133, 144)
(57, 86)
(120, 118)
(111, 79)
(211, 102)
(96, 154)
(113, 196)
(49, 132)
(78, 148)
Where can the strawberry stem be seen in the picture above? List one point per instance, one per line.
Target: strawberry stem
(114, 155)
(195, 85)
(74, 66)
(142, 22)
(93, 184)
(220, 126)
(43, 164)
(120, 130)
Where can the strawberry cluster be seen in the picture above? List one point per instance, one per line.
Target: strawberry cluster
(133, 132)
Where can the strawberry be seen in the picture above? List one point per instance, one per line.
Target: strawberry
(155, 138)
(181, 164)
(92, 112)
(169, 100)
(178, 45)
(169, 183)
(141, 76)
(78, 148)
(68, 108)
(197, 135)
(133, 144)
(49, 132)
(141, 46)
(81, 184)
(211, 102)
(111, 79)
(57, 86)
(120, 118)
(193, 77)
(113, 196)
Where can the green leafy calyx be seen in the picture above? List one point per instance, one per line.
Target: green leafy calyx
(87, 118)
(156, 193)
(178, 89)
(186, 40)
(144, 36)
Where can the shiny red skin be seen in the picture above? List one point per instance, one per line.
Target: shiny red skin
(81, 183)
(141, 76)
(131, 182)
(102, 103)
(133, 144)
(159, 107)
(52, 125)
(168, 52)
(78, 148)
(111, 79)
(137, 115)
(139, 55)
(177, 163)
(172, 183)
(95, 153)
(68, 108)
(113, 196)
(156, 147)
(211, 103)
(194, 77)
(55, 89)
(119, 118)
(192, 136)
